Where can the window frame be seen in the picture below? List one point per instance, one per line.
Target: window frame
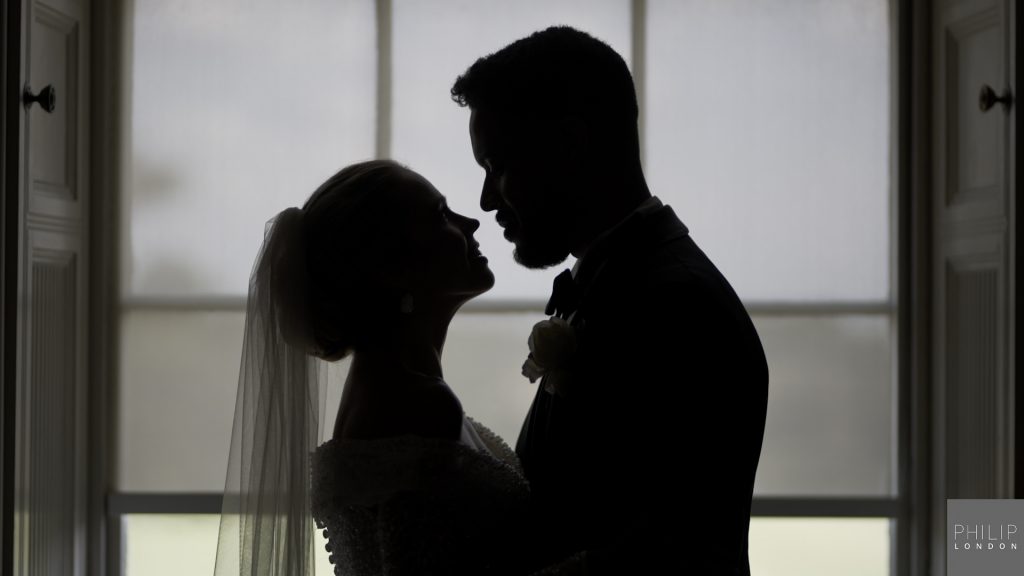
(112, 21)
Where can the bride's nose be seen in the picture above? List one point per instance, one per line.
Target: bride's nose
(470, 225)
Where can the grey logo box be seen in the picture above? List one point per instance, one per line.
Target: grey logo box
(984, 537)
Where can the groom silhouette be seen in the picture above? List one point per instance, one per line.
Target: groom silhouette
(646, 463)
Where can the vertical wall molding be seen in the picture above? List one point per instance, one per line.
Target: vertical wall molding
(1016, 252)
(384, 95)
(10, 209)
(109, 26)
(638, 47)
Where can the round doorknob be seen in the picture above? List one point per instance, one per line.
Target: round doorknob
(988, 98)
(47, 98)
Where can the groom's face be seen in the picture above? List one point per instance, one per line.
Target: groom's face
(522, 186)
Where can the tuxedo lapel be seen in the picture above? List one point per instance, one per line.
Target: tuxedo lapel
(639, 235)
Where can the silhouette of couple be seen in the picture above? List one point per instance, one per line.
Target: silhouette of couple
(639, 452)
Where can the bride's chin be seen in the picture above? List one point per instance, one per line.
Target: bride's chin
(487, 280)
(471, 291)
(482, 287)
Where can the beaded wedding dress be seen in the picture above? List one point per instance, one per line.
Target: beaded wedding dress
(421, 506)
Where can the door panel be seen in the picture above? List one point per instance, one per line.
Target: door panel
(971, 240)
(977, 395)
(50, 487)
(972, 272)
(975, 179)
(53, 143)
(51, 480)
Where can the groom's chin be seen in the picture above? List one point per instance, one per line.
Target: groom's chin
(538, 259)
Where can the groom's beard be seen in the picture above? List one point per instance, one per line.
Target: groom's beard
(539, 254)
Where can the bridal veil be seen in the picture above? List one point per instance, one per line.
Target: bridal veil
(266, 524)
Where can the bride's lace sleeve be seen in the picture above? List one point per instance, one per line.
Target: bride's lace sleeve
(498, 447)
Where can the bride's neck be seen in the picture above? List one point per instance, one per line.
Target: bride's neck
(397, 386)
(410, 352)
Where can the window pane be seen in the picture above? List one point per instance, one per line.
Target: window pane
(176, 544)
(831, 421)
(434, 42)
(238, 109)
(830, 415)
(830, 428)
(179, 379)
(815, 546)
(179, 376)
(768, 130)
(483, 363)
(171, 545)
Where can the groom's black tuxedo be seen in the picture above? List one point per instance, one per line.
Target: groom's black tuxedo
(647, 464)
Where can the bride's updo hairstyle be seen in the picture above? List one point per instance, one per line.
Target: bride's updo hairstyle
(348, 234)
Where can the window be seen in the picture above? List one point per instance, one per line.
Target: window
(767, 126)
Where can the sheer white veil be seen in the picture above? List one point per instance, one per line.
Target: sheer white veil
(266, 524)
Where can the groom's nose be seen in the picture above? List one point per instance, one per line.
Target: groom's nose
(489, 198)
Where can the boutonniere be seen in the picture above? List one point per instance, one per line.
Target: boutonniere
(553, 344)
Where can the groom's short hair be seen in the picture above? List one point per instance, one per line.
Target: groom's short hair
(551, 74)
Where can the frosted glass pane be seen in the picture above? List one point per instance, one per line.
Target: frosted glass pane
(172, 545)
(815, 546)
(179, 376)
(483, 363)
(169, 545)
(831, 398)
(179, 379)
(830, 414)
(434, 42)
(239, 108)
(768, 130)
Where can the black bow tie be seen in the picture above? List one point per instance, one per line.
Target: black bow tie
(565, 296)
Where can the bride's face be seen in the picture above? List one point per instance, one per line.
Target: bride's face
(446, 259)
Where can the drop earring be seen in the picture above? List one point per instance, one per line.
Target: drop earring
(406, 305)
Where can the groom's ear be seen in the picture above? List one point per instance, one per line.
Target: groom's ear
(572, 138)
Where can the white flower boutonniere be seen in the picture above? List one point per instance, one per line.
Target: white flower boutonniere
(552, 347)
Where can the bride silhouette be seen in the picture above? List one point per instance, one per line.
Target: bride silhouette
(374, 265)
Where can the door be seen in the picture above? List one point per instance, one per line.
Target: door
(973, 274)
(50, 480)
